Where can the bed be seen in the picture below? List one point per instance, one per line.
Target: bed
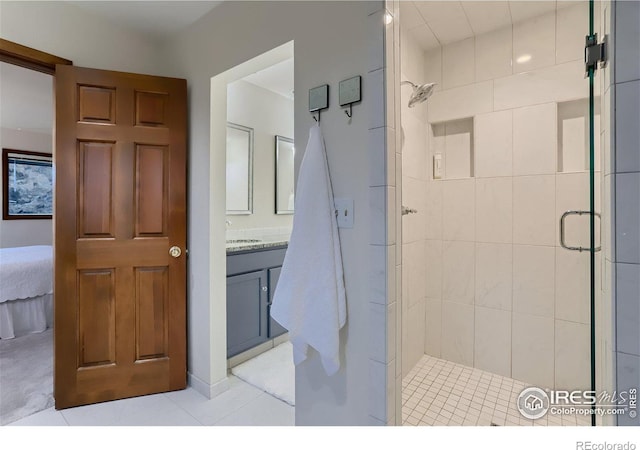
(26, 290)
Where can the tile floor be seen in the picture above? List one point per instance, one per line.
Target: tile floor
(438, 392)
(242, 404)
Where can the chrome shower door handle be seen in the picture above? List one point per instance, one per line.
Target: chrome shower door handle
(562, 231)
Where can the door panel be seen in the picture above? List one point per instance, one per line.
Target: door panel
(120, 299)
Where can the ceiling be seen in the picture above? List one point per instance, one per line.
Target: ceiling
(435, 23)
(154, 19)
(27, 99)
(277, 78)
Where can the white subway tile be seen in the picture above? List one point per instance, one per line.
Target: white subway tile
(413, 346)
(413, 267)
(627, 129)
(493, 341)
(375, 41)
(374, 84)
(494, 52)
(628, 377)
(458, 279)
(535, 140)
(433, 68)
(628, 308)
(457, 333)
(458, 204)
(533, 342)
(433, 268)
(628, 217)
(493, 147)
(534, 210)
(524, 10)
(572, 26)
(433, 327)
(494, 275)
(494, 210)
(381, 263)
(533, 280)
(627, 41)
(458, 63)
(534, 43)
(558, 83)
(378, 332)
(461, 102)
(572, 285)
(377, 157)
(572, 355)
(434, 211)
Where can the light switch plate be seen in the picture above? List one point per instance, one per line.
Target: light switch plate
(344, 207)
(437, 166)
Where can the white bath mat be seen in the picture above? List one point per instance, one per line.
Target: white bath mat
(273, 372)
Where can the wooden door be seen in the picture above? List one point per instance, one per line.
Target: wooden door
(120, 205)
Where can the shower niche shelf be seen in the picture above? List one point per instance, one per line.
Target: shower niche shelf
(573, 135)
(452, 149)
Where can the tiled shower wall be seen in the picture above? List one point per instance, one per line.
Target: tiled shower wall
(501, 294)
(623, 178)
(415, 173)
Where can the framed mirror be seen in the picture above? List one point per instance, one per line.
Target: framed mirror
(285, 155)
(239, 169)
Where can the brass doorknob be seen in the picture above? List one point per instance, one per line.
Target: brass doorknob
(175, 251)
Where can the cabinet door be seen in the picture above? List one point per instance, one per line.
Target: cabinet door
(246, 311)
(275, 329)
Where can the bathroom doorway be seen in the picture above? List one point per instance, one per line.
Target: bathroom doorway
(500, 177)
(257, 154)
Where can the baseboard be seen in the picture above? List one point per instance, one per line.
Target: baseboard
(207, 390)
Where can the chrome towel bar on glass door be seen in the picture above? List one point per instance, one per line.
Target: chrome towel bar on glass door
(562, 227)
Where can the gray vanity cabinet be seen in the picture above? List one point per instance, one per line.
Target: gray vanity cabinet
(251, 281)
(247, 298)
(275, 329)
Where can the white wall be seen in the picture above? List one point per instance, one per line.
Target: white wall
(331, 43)
(69, 32)
(269, 114)
(17, 233)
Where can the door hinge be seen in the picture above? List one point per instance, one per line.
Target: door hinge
(595, 54)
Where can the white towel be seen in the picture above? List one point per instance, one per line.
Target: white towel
(310, 298)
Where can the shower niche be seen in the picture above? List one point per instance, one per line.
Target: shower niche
(573, 135)
(452, 149)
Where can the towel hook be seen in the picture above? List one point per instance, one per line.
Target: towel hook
(318, 100)
(348, 113)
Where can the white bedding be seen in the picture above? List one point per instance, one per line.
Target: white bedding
(26, 287)
(25, 272)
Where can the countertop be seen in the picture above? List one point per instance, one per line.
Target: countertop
(261, 244)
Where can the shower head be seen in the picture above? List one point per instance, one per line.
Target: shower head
(420, 93)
